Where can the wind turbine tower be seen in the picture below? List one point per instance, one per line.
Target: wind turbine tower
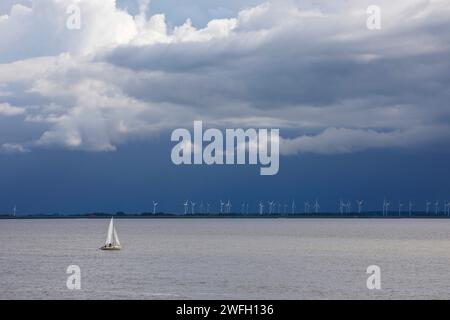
(307, 206)
(341, 206)
(388, 204)
(316, 206)
(186, 207)
(400, 206)
(348, 207)
(155, 204)
(360, 205)
(271, 203)
(428, 204)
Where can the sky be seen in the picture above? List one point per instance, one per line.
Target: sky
(86, 115)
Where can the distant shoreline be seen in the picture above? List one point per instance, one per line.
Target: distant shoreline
(374, 215)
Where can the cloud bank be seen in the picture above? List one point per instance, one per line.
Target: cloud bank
(311, 68)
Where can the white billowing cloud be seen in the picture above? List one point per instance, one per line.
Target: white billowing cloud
(218, 28)
(305, 66)
(8, 110)
(342, 140)
(41, 30)
(155, 31)
(11, 148)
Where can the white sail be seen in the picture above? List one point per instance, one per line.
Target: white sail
(116, 238)
(112, 240)
(109, 236)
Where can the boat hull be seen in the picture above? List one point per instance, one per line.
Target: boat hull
(112, 248)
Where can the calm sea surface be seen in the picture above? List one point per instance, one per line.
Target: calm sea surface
(226, 259)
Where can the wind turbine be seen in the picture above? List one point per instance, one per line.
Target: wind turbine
(436, 207)
(155, 204)
(221, 206)
(201, 207)
(271, 206)
(428, 203)
(400, 206)
(186, 206)
(410, 208)
(360, 205)
(348, 207)
(229, 206)
(341, 206)
(226, 207)
(388, 204)
(293, 207)
(14, 211)
(193, 207)
(316, 206)
(261, 208)
(208, 206)
(307, 206)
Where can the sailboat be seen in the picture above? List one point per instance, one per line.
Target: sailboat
(112, 240)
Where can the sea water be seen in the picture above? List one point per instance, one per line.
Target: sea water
(226, 259)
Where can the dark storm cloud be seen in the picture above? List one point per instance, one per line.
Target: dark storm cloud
(311, 67)
(290, 65)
